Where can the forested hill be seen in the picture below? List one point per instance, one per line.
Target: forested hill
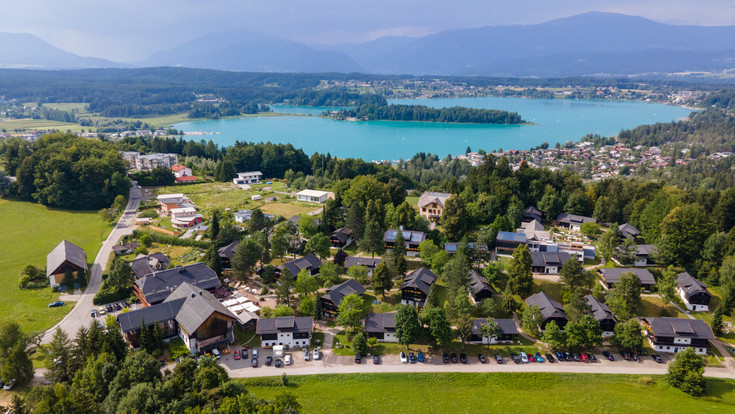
(455, 114)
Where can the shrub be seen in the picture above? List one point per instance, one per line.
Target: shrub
(177, 348)
(107, 295)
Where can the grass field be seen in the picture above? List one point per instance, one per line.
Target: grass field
(493, 392)
(30, 232)
(11, 125)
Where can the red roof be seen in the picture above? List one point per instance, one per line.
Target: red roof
(186, 179)
(177, 167)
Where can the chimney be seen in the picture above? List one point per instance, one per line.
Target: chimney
(193, 295)
(200, 293)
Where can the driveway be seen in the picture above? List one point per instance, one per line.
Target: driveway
(80, 315)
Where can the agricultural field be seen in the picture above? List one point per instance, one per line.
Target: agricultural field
(11, 125)
(30, 232)
(493, 392)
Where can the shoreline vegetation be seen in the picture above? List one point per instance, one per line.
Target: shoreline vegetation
(422, 113)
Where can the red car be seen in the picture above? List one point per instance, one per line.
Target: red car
(584, 358)
(237, 354)
(531, 358)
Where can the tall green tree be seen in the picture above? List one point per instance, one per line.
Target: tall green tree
(573, 276)
(305, 284)
(554, 336)
(359, 344)
(608, 243)
(454, 219)
(438, 325)
(398, 255)
(667, 285)
(381, 280)
(531, 320)
(687, 372)
(687, 227)
(246, 257)
(212, 259)
(319, 245)
(372, 241)
(628, 335)
(351, 311)
(407, 325)
(520, 279)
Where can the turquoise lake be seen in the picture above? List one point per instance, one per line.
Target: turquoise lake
(554, 120)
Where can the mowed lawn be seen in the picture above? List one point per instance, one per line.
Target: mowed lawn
(29, 232)
(493, 392)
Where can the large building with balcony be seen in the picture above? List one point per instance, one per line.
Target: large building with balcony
(431, 205)
(290, 331)
(676, 334)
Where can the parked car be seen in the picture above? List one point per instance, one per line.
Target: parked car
(514, 358)
(93, 313)
(288, 360)
(539, 357)
(657, 358)
(634, 355)
(316, 354)
(404, 358)
(453, 357)
(420, 357)
(376, 360)
(584, 358)
(445, 358)
(118, 307)
(608, 355)
(109, 308)
(254, 363)
(102, 311)
(524, 357)
(307, 354)
(358, 358)
(625, 355)
(463, 358)
(549, 357)
(268, 361)
(568, 356)
(216, 353)
(498, 358)
(56, 304)
(482, 359)
(559, 356)
(278, 363)
(236, 355)
(9, 385)
(411, 357)
(244, 353)
(531, 358)
(576, 358)
(592, 357)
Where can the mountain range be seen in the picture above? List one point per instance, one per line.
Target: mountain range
(587, 44)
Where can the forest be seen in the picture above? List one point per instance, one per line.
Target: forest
(455, 114)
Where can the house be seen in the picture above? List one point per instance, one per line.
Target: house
(245, 215)
(369, 262)
(611, 276)
(181, 171)
(412, 239)
(628, 231)
(643, 253)
(381, 326)
(508, 332)
(573, 221)
(189, 312)
(285, 330)
(479, 287)
(66, 257)
(550, 309)
(186, 179)
(226, 254)
(168, 202)
(549, 263)
(431, 205)
(155, 287)
(334, 295)
(295, 266)
(676, 334)
(248, 177)
(603, 314)
(531, 213)
(416, 285)
(126, 248)
(535, 232)
(185, 217)
(312, 196)
(342, 237)
(143, 265)
(506, 242)
(693, 292)
(451, 248)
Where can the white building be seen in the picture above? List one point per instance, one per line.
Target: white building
(676, 334)
(249, 177)
(149, 161)
(381, 326)
(312, 196)
(285, 330)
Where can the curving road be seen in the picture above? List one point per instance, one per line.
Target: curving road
(80, 315)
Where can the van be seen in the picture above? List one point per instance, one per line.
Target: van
(215, 352)
(255, 353)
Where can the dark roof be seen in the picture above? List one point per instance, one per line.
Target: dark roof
(627, 230)
(549, 307)
(309, 261)
(143, 265)
(452, 247)
(409, 236)
(613, 275)
(599, 310)
(532, 211)
(574, 219)
(380, 322)
(229, 250)
(336, 293)
(478, 283)
(342, 234)
(508, 236)
(65, 252)
(164, 311)
(690, 285)
(421, 279)
(285, 324)
(645, 249)
(549, 258)
(157, 286)
(125, 247)
(507, 326)
(671, 327)
(370, 262)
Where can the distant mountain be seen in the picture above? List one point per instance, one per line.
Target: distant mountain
(591, 43)
(22, 50)
(253, 52)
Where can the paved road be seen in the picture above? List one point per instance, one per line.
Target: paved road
(80, 315)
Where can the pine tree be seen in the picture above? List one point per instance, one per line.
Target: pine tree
(214, 225)
(381, 279)
(212, 259)
(144, 340)
(399, 254)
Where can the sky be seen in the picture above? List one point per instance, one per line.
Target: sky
(131, 30)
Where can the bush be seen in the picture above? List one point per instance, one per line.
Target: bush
(106, 295)
(177, 348)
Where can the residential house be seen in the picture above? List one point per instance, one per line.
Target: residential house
(181, 171)
(155, 287)
(506, 242)
(549, 263)
(431, 205)
(312, 196)
(127, 248)
(508, 332)
(643, 253)
(248, 177)
(416, 285)
(573, 221)
(226, 254)
(168, 202)
(185, 217)
(412, 239)
(694, 293)
(149, 161)
(479, 287)
(369, 262)
(531, 213)
(451, 248)
(627, 231)
(342, 237)
(612, 275)
(295, 266)
(603, 314)
(143, 265)
(334, 295)
(245, 215)
(676, 334)
(381, 326)
(189, 312)
(65, 257)
(285, 330)
(535, 233)
(550, 309)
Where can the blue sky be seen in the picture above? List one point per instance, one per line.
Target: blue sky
(133, 29)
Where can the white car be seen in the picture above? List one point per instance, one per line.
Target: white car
(524, 357)
(316, 355)
(216, 353)
(288, 360)
(404, 358)
(307, 354)
(9, 385)
(255, 353)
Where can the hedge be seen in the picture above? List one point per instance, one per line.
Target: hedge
(172, 240)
